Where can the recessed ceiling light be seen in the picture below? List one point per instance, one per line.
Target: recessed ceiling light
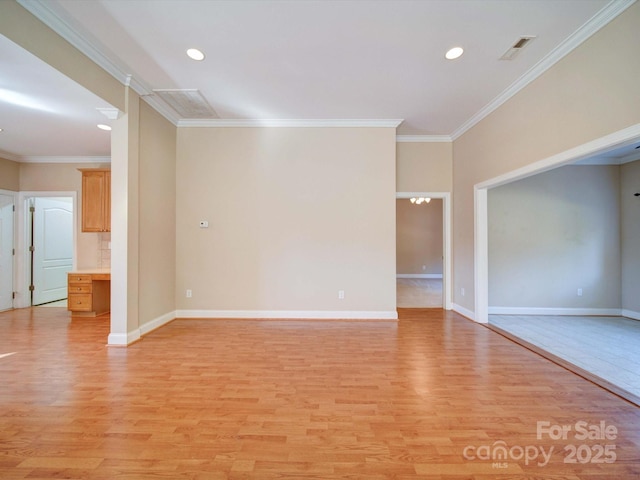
(102, 126)
(195, 54)
(453, 53)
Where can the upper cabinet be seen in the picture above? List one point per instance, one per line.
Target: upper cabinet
(96, 199)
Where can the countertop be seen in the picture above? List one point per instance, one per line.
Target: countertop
(80, 271)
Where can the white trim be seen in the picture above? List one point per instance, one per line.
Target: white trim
(481, 256)
(419, 275)
(424, 139)
(59, 159)
(9, 156)
(157, 322)
(599, 20)
(290, 314)
(14, 258)
(603, 312)
(447, 277)
(463, 311)
(122, 339)
(630, 314)
(275, 122)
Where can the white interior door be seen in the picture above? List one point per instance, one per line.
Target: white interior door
(53, 248)
(6, 252)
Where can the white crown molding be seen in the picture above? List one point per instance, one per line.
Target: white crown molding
(52, 159)
(313, 123)
(44, 12)
(10, 156)
(424, 139)
(599, 20)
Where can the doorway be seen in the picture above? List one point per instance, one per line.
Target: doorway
(51, 247)
(422, 250)
(7, 208)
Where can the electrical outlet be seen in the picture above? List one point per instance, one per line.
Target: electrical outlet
(189, 293)
(341, 294)
(462, 291)
(579, 292)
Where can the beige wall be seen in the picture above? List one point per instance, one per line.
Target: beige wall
(157, 215)
(419, 237)
(590, 93)
(50, 177)
(295, 215)
(555, 233)
(424, 167)
(630, 233)
(9, 175)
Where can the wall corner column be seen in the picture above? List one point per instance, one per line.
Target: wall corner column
(125, 224)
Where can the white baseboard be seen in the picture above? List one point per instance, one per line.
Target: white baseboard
(609, 312)
(290, 314)
(463, 311)
(123, 339)
(419, 275)
(157, 322)
(631, 314)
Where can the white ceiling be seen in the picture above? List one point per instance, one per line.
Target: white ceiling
(305, 60)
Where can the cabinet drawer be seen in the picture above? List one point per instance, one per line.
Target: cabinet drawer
(79, 288)
(79, 302)
(79, 278)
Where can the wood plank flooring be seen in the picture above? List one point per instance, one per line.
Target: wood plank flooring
(432, 396)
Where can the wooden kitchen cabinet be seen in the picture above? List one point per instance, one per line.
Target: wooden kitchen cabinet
(88, 294)
(96, 199)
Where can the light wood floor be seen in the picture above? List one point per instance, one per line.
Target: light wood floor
(421, 398)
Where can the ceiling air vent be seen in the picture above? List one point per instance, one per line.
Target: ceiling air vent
(188, 103)
(517, 47)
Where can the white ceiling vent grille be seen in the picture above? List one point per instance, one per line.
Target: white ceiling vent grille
(188, 103)
(517, 47)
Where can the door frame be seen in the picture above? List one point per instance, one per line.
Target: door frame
(23, 256)
(446, 240)
(14, 268)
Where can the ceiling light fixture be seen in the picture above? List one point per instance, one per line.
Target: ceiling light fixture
(419, 200)
(102, 126)
(195, 54)
(454, 53)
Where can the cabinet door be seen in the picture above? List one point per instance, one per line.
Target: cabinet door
(93, 193)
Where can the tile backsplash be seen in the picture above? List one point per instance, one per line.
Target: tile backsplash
(104, 250)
